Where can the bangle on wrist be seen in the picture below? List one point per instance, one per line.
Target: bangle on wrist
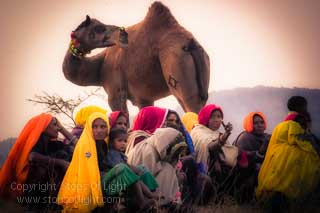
(50, 161)
(221, 142)
(259, 154)
(73, 139)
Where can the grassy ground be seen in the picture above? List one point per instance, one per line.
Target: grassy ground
(228, 206)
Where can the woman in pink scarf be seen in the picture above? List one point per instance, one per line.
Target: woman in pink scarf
(146, 122)
(150, 118)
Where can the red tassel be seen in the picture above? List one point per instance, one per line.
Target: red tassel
(76, 43)
(73, 35)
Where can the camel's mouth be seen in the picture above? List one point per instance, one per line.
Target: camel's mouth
(107, 43)
(110, 44)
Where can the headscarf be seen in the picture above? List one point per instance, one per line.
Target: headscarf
(159, 141)
(189, 119)
(115, 115)
(84, 113)
(183, 130)
(205, 113)
(291, 165)
(291, 116)
(162, 138)
(80, 190)
(16, 167)
(150, 118)
(248, 121)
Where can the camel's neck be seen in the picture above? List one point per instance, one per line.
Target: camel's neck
(83, 71)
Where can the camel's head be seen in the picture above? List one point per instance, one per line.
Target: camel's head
(92, 34)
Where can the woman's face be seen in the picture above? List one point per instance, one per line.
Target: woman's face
(52, 129)
(99, 129)
(121, 123)
(258, 125)
(172, 121)
(215, 120)
(120, 143)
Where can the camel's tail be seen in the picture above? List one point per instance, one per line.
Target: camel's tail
(202, 64)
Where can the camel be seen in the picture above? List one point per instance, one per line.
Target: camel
(161, 58)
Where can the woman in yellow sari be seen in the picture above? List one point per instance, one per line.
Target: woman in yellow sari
(82, 116)
(291, 167)
(81, 189)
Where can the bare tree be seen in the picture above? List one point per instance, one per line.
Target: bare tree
(58, 105)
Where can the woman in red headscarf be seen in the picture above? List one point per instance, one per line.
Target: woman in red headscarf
(208, 139)
(119, 120)
(220, 160)
(35, 152)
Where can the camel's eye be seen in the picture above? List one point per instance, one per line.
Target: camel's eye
(91, 35)
(99, 29)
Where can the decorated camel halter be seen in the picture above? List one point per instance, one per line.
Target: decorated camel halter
(75, 48)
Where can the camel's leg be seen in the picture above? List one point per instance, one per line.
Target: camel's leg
(142, 104)
(117, 99)
(180, 74)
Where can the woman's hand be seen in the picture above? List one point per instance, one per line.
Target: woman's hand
(224, 137)
(263, 147)
(60, 127)
(66, 133)
(62, 163)
(228, 128)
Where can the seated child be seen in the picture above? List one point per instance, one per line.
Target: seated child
(142, 179)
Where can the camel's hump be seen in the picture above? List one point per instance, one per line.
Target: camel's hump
(159, 13)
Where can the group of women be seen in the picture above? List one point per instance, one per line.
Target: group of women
(162, 159)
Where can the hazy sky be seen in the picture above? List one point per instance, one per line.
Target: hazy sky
(272, 43)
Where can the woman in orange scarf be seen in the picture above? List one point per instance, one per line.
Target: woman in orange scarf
(31, 149)
(253, 141)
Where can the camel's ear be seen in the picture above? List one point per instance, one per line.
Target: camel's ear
(88, 20)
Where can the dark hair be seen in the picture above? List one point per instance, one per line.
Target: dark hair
(114, 133)
(303, 119)
(126, 115)
(297, 104)
(170, 111)
(258, 116)
(219, 110)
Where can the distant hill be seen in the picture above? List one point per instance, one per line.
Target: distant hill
(236, 103)
(5, 146)
(272, 101)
